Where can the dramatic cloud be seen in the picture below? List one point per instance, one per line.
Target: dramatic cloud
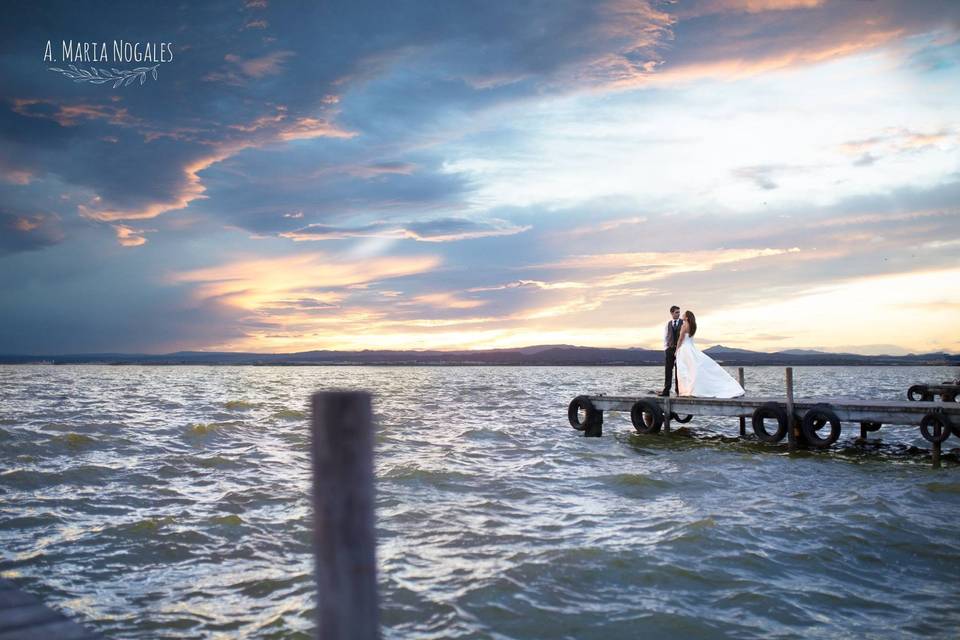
(440, 230)
(474, 174)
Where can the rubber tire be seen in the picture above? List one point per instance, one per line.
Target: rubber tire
(817, 417)
(871, 426)
(676, 418)
(919, 390)
(931, 420)
(636, 416)
(770, 410)
(573, 412)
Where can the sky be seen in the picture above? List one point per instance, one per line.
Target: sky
(290, 176)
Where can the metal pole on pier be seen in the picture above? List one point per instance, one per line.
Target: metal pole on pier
(743, 419)
(791, 423)
(343, 542)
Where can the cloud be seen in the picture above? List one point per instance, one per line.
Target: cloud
(422, 62)
(659, 263)
(734, 39)
(319, 123)
(28, 231)
(129, 237)
(898, 140)
(254, 283)
(711, 7)
(240, 70)
(70, 115)
(761, 176)
(437, 230)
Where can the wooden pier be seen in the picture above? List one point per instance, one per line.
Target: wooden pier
(947, 391)
(812, 422)
(24, 617)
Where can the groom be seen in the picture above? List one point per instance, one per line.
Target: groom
(670, 334)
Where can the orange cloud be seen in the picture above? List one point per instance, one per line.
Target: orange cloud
(709, 7)
(68, 115)
(244, 69)
(129, 237)
(306, 128)
(263, 121)
(737, 67)
(17, 176)
(191, 191)
(255, 284)
(446, 301)
(652, 265)
(27, 224)
(898, 140)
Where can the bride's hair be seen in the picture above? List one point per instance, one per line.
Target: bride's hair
(691, 322)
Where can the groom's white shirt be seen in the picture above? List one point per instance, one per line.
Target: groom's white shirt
(666, 334)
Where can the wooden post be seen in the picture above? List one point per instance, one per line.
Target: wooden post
(343, 541)
(594, 425)
(791, 434)
(666, 414)
(743, 419)
(936, 449)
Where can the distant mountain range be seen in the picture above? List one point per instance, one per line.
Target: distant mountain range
(541, 355)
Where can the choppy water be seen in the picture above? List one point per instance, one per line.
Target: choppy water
(172, 502)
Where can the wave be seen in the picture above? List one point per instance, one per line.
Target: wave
(239, 405)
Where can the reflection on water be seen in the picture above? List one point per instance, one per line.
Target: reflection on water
(172, 502)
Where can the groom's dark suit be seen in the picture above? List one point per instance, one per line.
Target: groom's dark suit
(670, 336)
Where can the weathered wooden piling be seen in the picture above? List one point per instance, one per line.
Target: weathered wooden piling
(743, 419)
(344, 545)
(791, 420)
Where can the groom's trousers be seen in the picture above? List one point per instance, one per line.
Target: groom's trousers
(669, 361)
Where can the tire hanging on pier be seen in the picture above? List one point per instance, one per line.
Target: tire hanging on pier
(677, 418)
(573, 412)
(929, 427)
(769, 410)
(871, 426)
(919, 392)
(639, 411)
(817, 417)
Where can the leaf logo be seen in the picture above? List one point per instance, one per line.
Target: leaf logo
(103, 76)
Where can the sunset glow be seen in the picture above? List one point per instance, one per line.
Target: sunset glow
(788, 169)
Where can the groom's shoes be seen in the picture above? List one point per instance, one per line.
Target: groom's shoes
(664, 394)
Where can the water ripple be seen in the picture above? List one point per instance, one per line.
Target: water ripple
(173, 502)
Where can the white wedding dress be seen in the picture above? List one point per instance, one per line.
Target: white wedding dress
(699, 375)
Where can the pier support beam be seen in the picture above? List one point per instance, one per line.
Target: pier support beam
(791, 423)
(593, 427)
(743, 419)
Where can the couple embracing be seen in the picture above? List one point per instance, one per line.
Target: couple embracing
(697, 373)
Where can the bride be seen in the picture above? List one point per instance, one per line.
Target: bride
(697, 373)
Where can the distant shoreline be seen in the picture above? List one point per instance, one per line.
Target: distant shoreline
(442, 364)
(545, 355)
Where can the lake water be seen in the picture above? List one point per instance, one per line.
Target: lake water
(173, 502)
